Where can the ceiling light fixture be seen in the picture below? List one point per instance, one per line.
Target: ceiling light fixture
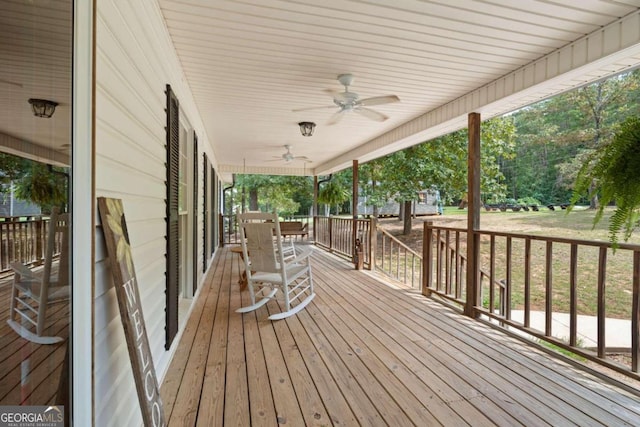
(42, 107)
(306, 128)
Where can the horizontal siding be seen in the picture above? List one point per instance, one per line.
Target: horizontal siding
(134, 63)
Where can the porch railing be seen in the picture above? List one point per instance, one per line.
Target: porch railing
(22, 240)
(555, 289)
(231, 234)
(397, 260)
(336, 235)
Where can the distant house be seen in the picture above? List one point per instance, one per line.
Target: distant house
(10, 206)
(428, 203)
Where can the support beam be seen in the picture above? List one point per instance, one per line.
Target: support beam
(314, 209)
(473, 214)
(354, 212)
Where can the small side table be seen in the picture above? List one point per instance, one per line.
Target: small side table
(243, 274)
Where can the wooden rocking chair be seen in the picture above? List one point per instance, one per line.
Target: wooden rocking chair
(270, 267)
(32, 292)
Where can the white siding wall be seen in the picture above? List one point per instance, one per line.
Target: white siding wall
(135, 60)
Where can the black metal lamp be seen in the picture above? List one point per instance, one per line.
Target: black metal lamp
(306, 128)
(42, 107)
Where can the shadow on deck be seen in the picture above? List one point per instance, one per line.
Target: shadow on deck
(366, 353)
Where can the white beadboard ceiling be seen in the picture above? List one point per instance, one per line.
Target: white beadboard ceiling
(35, 62)
(249, 63)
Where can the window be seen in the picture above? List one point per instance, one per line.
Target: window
(35, 217)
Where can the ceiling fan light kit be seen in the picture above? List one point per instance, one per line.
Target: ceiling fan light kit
(348, 101)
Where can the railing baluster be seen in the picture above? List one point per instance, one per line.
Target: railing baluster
(404, 265)
(447, 263)
(458, 290)
(573, 298)
(602, 277)
(527, 282)
(492, 271)
(548, 318)
(508, 274)
(635, 313)
(438, 260)
(398, 263)
(427, 262)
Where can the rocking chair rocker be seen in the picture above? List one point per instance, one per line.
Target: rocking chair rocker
(270, 267)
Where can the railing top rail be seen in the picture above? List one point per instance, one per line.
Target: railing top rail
(391, 236)
(594, 243)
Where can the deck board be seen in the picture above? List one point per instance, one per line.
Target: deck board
(367, 353)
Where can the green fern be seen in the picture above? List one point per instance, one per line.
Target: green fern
(614, 174)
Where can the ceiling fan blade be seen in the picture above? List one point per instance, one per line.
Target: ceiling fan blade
(313, 108)
(336, 117)
(371, 114)
(378, 100)
(305, 158)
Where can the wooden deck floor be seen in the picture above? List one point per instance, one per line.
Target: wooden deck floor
(29, 372)
(364, 353)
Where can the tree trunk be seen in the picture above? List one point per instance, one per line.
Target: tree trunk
(407, 217)
(400, 211)
(593, 203)
(253, 199)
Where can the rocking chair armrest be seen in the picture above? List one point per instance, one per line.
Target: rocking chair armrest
(22, 270)
(300, 255)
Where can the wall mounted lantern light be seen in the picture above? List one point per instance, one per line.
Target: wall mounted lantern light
(42, 107)
(306, 128)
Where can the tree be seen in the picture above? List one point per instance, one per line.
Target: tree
(442, 164)
(284, 194)
(370, 175)
(614, 173)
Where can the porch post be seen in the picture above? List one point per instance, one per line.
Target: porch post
(315, 204)
(473, 214)
(354, 211)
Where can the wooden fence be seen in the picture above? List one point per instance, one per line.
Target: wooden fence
(529, 282)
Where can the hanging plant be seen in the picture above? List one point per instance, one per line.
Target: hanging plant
(43, 187)
(333, 194)
(613, 173)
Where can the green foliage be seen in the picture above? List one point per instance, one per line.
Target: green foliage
(333, 193)
(12, 167)
(553, 136)
(288, 195)
(42, 186)
(613, 172)
(528, 201)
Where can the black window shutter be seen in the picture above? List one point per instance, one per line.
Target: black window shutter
(205, 212)
(195, 213)
(215, 211)
(173, 249)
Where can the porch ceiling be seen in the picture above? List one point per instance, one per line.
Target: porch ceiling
(250, 63)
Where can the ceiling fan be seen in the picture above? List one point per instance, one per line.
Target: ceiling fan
(350, 101)
(288, 156)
